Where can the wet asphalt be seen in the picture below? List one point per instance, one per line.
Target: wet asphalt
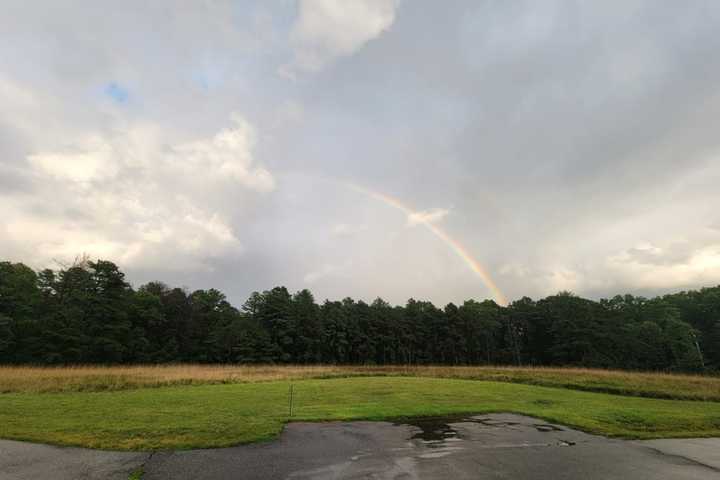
(499, 446)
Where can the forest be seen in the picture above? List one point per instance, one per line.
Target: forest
(88, 313)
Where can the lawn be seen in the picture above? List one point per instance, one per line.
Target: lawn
(218, 415)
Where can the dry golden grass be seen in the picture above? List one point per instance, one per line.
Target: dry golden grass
(95, 378)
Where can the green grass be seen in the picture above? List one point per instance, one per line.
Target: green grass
(137, 474)
(222, 415)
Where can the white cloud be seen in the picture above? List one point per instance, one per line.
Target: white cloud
(176, 241)
(328, 29)
(228, 154)
(130, 198)
(427, 216)
(662, 269)
(93, 159)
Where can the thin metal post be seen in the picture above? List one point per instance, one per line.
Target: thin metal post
(291, 400)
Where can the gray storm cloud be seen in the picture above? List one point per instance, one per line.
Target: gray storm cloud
(575, 142)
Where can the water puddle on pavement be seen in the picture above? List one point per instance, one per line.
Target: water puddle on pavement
(434, 430)
(543, 427)
(448, 433)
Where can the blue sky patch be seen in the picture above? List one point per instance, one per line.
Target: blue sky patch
(117, 93)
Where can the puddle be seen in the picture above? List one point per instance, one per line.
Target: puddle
(494, 423)
(439, 430)
(546, 427)
(442, 432)
(435, 429)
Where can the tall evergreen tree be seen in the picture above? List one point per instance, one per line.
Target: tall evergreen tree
(88, 313)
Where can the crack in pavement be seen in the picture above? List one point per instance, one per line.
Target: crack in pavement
(145, 462)
(682, 457)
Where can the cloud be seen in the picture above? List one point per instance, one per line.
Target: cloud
(347, 230)
(427, 216)
(328, 29)
(166, 238)
(228, 154)
(698, 267)
(91, 159)
(325, 271)
(577, 146)
(549, 278)
(649, 254)
(132, 198)
(15, 94)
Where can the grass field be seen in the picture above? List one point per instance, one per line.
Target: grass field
(97, 379)
(252, 404)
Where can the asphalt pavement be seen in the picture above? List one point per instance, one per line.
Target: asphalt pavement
(500, 446)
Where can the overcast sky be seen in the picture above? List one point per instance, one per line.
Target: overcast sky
(243, 145)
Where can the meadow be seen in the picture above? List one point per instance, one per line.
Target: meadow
(195, 406)
(28, 379)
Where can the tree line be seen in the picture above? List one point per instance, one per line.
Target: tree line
(89, 313)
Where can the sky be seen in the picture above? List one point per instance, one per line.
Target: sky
(434, 150)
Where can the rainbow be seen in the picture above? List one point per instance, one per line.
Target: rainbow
(454, 245)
